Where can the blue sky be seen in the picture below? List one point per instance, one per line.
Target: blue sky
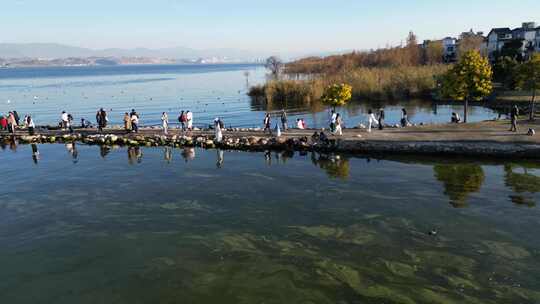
(276, 25)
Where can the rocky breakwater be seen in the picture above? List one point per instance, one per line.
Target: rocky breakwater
(239, 141)
(254, 143)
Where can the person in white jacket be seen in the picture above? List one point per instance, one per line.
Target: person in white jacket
(165, 122)
(339, 125)
(372, 120)
(189, 117)
(217, 128)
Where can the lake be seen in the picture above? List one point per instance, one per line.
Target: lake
(88, 224)
(208, 91)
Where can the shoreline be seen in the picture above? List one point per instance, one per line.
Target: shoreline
(485, 139)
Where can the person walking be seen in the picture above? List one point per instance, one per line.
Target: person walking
(3, 122)
(404, 118)
(101, 119)
(333, 116)
(98, 120)
(284, 120)
(189, 120)
(514, 115)
(70, 123)
(30, 124)
(104, 119)
(371, 120)
(12, 123)
(127, 122)
(381, 118)
(134, 121)
(182, 120)
(165, 122)
(339, 125)
(217, 127)
(64, 120)
(16, 116)
(266, 122)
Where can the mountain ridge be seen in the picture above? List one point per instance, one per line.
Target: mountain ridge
(58, 51)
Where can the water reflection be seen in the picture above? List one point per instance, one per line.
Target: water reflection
(167, 154)
(220, 158)
(280, 232)
(334, 165)
(188, 154)
(35, 153)
(104, 151)
(72, 150)
(459, 181)
(522, 182)
(134, 155)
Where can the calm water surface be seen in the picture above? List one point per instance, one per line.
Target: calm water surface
(207, 90)
(159, 225)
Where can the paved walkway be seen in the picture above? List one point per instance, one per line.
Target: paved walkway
(493, 131)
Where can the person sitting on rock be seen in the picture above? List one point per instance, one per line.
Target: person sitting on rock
(323, 138)
(455, 118)
(299, 124)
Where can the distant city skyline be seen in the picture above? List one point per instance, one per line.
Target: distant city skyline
(285, 27)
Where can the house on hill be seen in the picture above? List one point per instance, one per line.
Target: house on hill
(496, 39)
(526, 39)
(449, 49)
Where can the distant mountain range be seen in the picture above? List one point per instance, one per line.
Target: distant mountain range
(56, 51)
(60, 51)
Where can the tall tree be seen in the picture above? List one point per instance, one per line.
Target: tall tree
(433, 52)
(528, 78)
(413, 50)
(274, 64)
(504, 71)
(469, 41)
(337, 95)
(469, 79)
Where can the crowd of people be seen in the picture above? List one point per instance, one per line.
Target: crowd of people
(131, 121)
(11, 122)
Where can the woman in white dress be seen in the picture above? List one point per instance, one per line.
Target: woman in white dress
(189, 117)
(218, 133)
(339, 125)
(372, 120)
(165, 122)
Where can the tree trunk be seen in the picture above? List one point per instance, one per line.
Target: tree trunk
(531, 115)
(466, 109)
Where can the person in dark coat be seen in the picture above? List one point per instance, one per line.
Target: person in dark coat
(514, 114)
(381, 119)
(17, 118)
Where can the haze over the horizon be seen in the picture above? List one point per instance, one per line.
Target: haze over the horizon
(286, 27)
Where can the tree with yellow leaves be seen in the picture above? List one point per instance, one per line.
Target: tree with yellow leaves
(528, 78)
(337, 95)
(469, 79)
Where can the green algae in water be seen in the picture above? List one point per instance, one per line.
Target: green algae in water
(250, 233)
(353, 234)
(506, 250)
